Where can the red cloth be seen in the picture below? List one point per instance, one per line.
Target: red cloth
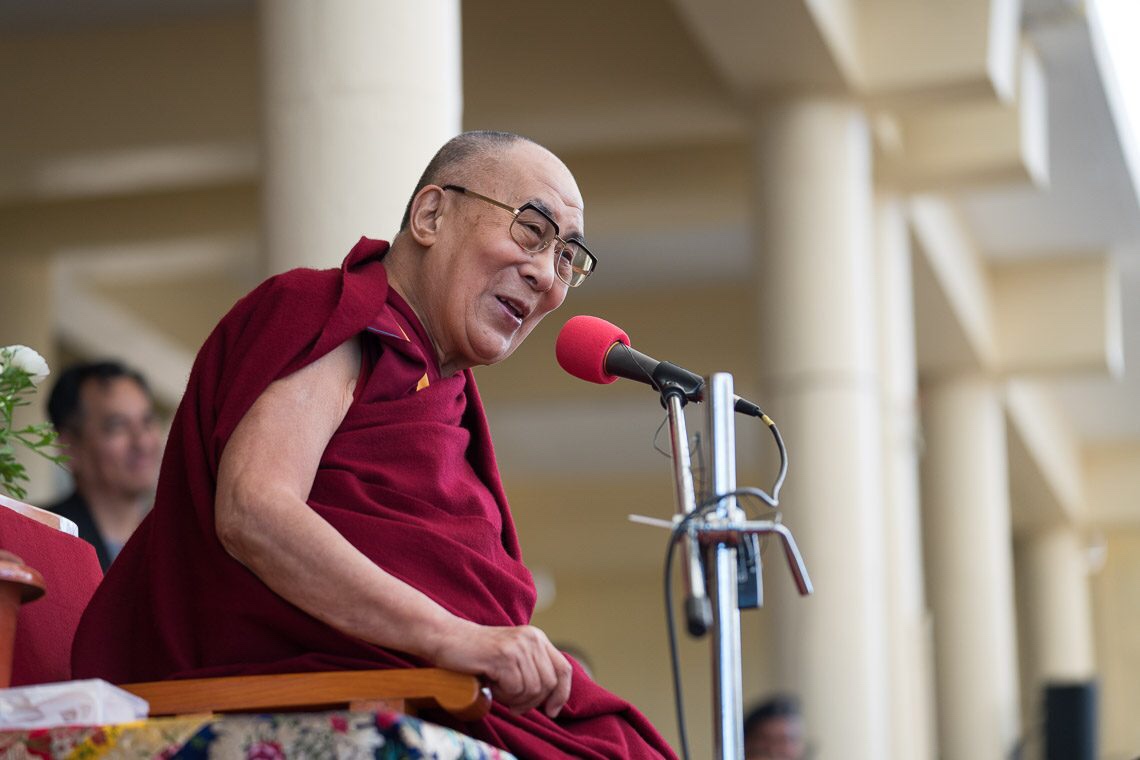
(45, 627)
(409, 478)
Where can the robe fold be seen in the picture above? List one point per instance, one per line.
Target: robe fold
(409, 478)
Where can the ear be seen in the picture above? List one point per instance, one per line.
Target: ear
(427, 212)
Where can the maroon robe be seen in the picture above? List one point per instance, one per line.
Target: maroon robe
(409, 478)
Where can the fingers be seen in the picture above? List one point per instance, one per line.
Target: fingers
(553, 673)
(532, 676)
(560, 694)
(523, 668)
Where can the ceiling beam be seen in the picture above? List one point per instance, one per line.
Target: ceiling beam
(901, 52)
(953, 302)
(1059, 315)
(1112, 478)
(1045, 470)
(964, 143)
(773, 45)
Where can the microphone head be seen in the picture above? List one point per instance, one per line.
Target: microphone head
(582, 346)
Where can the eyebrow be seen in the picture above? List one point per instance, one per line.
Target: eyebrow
(538, 204)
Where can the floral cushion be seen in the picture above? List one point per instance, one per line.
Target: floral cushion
(339, 735)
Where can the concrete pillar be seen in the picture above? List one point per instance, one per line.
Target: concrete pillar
(1052, 573)
(26, 310)
(815, 283)
(358, 95)
(908, 619)
(965, 490)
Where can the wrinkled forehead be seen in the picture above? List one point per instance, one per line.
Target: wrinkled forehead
(528, 173)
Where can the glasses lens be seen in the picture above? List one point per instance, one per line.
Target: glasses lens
(532, 230)
(574, 264)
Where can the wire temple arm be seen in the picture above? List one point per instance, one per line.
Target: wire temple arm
(731, 532)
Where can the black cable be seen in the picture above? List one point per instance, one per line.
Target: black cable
(783, 458)
(678, 698)
(670, 626)
(783, 473)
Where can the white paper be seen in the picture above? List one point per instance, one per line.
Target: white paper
(91, 702)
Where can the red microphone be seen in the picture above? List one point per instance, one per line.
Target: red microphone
(583, 345)
(598, 351)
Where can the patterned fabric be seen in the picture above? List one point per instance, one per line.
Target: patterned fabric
(339, 735)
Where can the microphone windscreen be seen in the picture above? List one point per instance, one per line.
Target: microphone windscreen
(582, 346)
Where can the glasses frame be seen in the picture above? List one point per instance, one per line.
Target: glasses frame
(514, 212)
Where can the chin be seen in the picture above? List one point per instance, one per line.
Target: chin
(140, 485)
(493, 353)
(505, 354)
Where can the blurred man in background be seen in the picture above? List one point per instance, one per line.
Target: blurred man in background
(774, 730)
(107, 425)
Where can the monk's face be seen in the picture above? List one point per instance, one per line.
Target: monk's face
(485, 293)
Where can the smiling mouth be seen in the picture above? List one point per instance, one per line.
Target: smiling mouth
(512, 307)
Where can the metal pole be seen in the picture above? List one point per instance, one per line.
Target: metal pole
(728, 691)
(698, 615)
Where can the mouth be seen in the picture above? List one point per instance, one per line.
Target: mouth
(517, 309)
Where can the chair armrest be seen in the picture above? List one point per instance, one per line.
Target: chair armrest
(18, 584)
(25, 581)
(459, 694)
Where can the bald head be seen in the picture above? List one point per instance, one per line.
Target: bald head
(476, 289)
(462, 156)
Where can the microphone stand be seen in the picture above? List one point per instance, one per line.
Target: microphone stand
(698, 607)
(710, 548)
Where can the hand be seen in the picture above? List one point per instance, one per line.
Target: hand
(523, 668)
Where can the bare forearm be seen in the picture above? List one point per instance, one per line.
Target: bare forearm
(307, 562)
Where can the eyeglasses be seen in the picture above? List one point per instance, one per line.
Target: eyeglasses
(534, 230)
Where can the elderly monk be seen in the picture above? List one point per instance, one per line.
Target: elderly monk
(329, 496)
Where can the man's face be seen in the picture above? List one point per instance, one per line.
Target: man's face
(482, 294)
(116, 446)
(776, 739)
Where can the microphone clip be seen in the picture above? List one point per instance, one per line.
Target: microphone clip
(671, 380)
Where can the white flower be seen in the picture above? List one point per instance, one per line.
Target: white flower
(29, 360)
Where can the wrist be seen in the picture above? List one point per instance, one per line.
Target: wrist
(439, 636)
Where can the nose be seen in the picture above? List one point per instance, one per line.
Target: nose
(144, 434)
(538, 271)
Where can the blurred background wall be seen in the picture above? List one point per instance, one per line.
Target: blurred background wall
(911, 231)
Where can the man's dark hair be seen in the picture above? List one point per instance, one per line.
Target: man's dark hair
(458, 151)
(778, 706)
(64, 407)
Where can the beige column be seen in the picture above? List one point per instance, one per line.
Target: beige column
(908, 619)
(358, 95)
(966, 517)
(814, 288)
(1052, 573)
(26, 310)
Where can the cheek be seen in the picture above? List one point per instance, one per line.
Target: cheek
(550, 303)
(114, 450)
(545, 307)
